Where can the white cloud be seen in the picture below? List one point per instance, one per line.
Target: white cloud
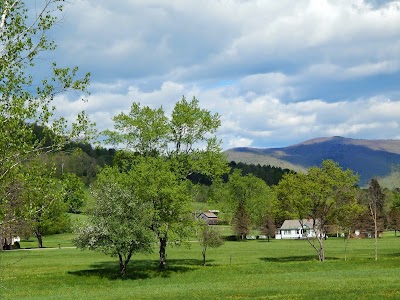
(239, 142)
(273, 70)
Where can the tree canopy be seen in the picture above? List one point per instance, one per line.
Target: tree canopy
(316, 196)
(119, 225)
(162, 151)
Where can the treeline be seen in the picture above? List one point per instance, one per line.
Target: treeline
(271, 175)
(84, 160)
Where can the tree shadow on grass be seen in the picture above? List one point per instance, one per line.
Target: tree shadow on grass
(397, 254)
(140, 269)
(294, 258)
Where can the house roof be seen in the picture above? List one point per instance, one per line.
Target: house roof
(209, 215)
(295, 224)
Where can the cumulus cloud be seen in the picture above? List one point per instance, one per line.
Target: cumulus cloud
(277, 72)
(254, 120)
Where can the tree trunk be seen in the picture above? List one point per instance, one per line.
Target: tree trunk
(204, 256)
(376, 238)
(123, 262)
(163, 256)
(40, 239)
(318, 247)
(346, 242)
(122, 266)
(321, 253)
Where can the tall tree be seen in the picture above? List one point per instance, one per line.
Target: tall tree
(250, 200)
(346, 217)
(186, 140)
(153, 182)
(26, 100)
(394, 214)
(120, 222)
(43, 198)
(317, 195)
(376, 199)
(75, 196)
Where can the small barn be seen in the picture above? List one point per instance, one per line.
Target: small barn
(209, 218)
(292, 229)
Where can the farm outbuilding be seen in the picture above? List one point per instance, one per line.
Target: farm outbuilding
(209, 217)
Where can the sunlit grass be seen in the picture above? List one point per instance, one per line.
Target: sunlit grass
(251, 269)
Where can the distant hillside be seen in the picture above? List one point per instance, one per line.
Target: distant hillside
(368, 158)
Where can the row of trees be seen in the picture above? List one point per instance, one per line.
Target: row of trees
(327, 195)
(144, 196)
(144, 200)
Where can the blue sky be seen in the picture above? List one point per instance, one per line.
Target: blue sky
(277, 72)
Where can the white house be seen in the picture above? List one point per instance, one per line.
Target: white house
(292, 229)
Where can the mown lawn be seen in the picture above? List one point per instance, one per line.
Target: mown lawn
(238, 270)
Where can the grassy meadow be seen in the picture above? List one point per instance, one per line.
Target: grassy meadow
(253, 269)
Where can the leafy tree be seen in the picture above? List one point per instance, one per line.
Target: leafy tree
(75, 195)
(186, 140)
(269, 227)
(317, 195)
(209, 237)
(376, 200)
(26, 101)
(120, 222)
(42, 194)
(241, 221)
(394, 214)
(250, 200)
(347, 216)
(394, 220)
(155, 184)
(11, 212)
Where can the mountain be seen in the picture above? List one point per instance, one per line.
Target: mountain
(368, 158)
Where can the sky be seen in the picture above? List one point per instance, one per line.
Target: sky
(277, 72)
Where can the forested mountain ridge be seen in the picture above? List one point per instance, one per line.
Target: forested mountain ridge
(368, 158)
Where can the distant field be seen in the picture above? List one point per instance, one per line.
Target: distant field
(238, 270)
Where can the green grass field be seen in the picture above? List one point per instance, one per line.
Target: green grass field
(238, 270)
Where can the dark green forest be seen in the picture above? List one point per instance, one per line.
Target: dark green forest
(88, 159)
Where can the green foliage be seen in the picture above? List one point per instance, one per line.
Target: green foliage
(120, 222)
(241, 221)
(143, 129)
(26, 101)
(42, 197)
(250, 201)
(20, 45)
(376, 201)
(187, 138)
(209, 237)
(270, 174)
(75, 196)
(162, 153)
(153, 182)
(317, 195)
